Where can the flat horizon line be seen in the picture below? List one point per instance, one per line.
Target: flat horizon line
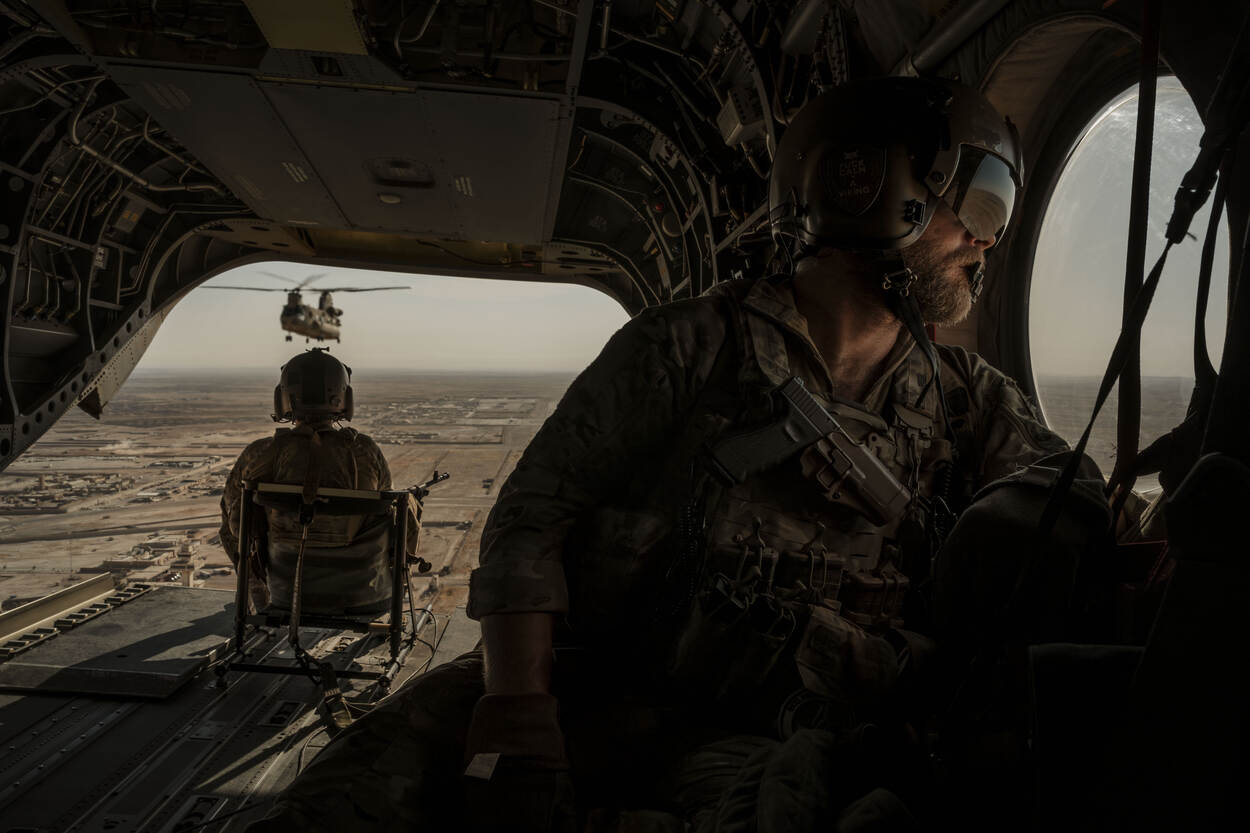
(356, 370)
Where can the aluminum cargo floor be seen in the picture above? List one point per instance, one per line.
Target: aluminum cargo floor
(147, 647)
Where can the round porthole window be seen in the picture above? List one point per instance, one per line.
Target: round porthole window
(1077, 286)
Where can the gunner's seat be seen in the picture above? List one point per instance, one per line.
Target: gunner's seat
(316, 580)
(347, 554)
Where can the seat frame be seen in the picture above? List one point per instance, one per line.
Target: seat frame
(329, 501)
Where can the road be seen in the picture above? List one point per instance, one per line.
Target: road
(93, 523)
(193, 513)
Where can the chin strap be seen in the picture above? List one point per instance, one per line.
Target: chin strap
(897, 280)
(977, 282)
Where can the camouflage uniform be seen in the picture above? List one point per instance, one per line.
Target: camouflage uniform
(592, 524)
(344, 554)
(585, 524)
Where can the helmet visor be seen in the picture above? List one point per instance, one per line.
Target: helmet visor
(982, 194)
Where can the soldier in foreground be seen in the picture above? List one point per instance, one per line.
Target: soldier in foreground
(712, 589)
(314, 392)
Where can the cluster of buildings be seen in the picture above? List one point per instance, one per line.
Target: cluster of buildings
(184, 464)
(48, 493)
(446, 419)
(404, 437)
(441, 411)
(518, 406)
(207, 484)
(168, 556)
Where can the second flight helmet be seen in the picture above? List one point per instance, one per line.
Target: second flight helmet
(864, 165)
(314, 387)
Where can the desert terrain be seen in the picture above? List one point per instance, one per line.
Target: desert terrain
(138, 492)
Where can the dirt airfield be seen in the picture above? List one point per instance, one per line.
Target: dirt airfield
(138, 492)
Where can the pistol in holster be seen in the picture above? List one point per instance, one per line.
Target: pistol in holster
(845, 470)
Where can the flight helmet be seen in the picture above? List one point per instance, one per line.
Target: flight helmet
(314, 386)
(864, 165)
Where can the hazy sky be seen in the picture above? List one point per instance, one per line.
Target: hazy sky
(1078, 277)
(438, 324)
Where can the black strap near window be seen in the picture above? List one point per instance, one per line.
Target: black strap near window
(1172, 454)
(1204, 370)
(1128, 425)
(1226, 117)
(1119, 358)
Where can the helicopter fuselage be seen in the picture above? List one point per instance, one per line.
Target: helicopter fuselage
(310, 322)
(320, 322)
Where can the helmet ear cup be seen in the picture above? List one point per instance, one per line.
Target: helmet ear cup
(348, 404)
(281, 408)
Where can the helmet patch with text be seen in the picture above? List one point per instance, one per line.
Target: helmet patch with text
(853, 177)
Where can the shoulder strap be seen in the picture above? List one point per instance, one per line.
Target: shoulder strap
(312, 473)
(1128, 423)
(703, 491)
(725, 376)
(1172, 454)
(312, 454)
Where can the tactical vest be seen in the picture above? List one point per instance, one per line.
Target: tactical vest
(780, 523)
(346, 558)
(678, 541)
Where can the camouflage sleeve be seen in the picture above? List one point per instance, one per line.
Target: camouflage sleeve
(379, 477)
(1008, 429)
(619, 413)
(372, 471)
(253, 460)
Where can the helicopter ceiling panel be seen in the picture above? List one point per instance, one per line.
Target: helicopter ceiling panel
(227, 122)
(466, 166)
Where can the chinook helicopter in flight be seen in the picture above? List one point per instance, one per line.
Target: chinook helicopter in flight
(624, 145)
(321, 322)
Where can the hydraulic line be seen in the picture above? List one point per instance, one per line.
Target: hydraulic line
(51, 281)
(21, 308)
(50, 93)
(78, 291)
(425, 25)
(82, 183)
(126, 172)
(147, 137)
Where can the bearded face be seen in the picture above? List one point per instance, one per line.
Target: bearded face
(945, 263)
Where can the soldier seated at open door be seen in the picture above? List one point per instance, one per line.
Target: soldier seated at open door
(346, 566)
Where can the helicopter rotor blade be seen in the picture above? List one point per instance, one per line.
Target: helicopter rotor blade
(253, 288)
(276, 275)
(363, 288)
(306, 281)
